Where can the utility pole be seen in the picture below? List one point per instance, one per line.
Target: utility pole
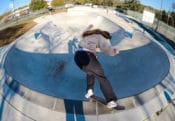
(13, 7)
(173, 7)
(159, 15)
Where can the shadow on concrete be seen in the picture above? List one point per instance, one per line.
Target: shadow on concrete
(74, 110)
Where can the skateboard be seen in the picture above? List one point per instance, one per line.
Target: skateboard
(103, 102)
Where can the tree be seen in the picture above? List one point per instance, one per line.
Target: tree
(69, 1)
(5, 14)
(173, 19)
(1, 17)
(164, 16)
(56, 3)
(173, 6)
(96, 2)
(132, 5)
(106, 2)
(80, 1)
(117, 2)
(38, 5)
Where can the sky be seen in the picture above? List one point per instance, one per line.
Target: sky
(166, 4)
(6, 5)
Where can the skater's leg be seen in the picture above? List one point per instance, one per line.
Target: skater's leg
(90, 85)
(94, 68)
(90, 82)
(106, 88)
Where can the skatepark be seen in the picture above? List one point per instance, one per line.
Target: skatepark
(41, 82)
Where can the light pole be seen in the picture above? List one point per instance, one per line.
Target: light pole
(173, 7)
(169, 16)
(159, 15)
(13, 7)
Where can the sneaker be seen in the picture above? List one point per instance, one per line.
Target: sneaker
(111, 104)
(89, 93)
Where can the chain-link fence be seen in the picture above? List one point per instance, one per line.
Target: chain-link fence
(162, 27)
(28, 16)
(165, 29)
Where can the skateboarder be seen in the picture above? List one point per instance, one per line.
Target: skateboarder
(85, 58)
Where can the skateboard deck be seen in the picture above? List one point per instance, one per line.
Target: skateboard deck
(103, 102)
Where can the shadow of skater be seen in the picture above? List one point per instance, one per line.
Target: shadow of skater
(74, 110)
(72, 44)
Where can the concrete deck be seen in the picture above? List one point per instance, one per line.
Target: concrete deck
(40, 80)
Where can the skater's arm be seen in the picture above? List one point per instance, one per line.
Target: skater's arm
(90, 26)
(106, 47)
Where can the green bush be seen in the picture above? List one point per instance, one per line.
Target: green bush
(38, 5)
(80, 1)
(56, 3)
(1, 17)
(5, 14)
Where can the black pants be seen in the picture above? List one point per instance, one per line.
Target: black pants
(88, 62)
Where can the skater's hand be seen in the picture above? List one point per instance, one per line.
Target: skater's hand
(116, 51)
(90, 26)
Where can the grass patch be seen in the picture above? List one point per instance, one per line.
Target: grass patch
(12, 33)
